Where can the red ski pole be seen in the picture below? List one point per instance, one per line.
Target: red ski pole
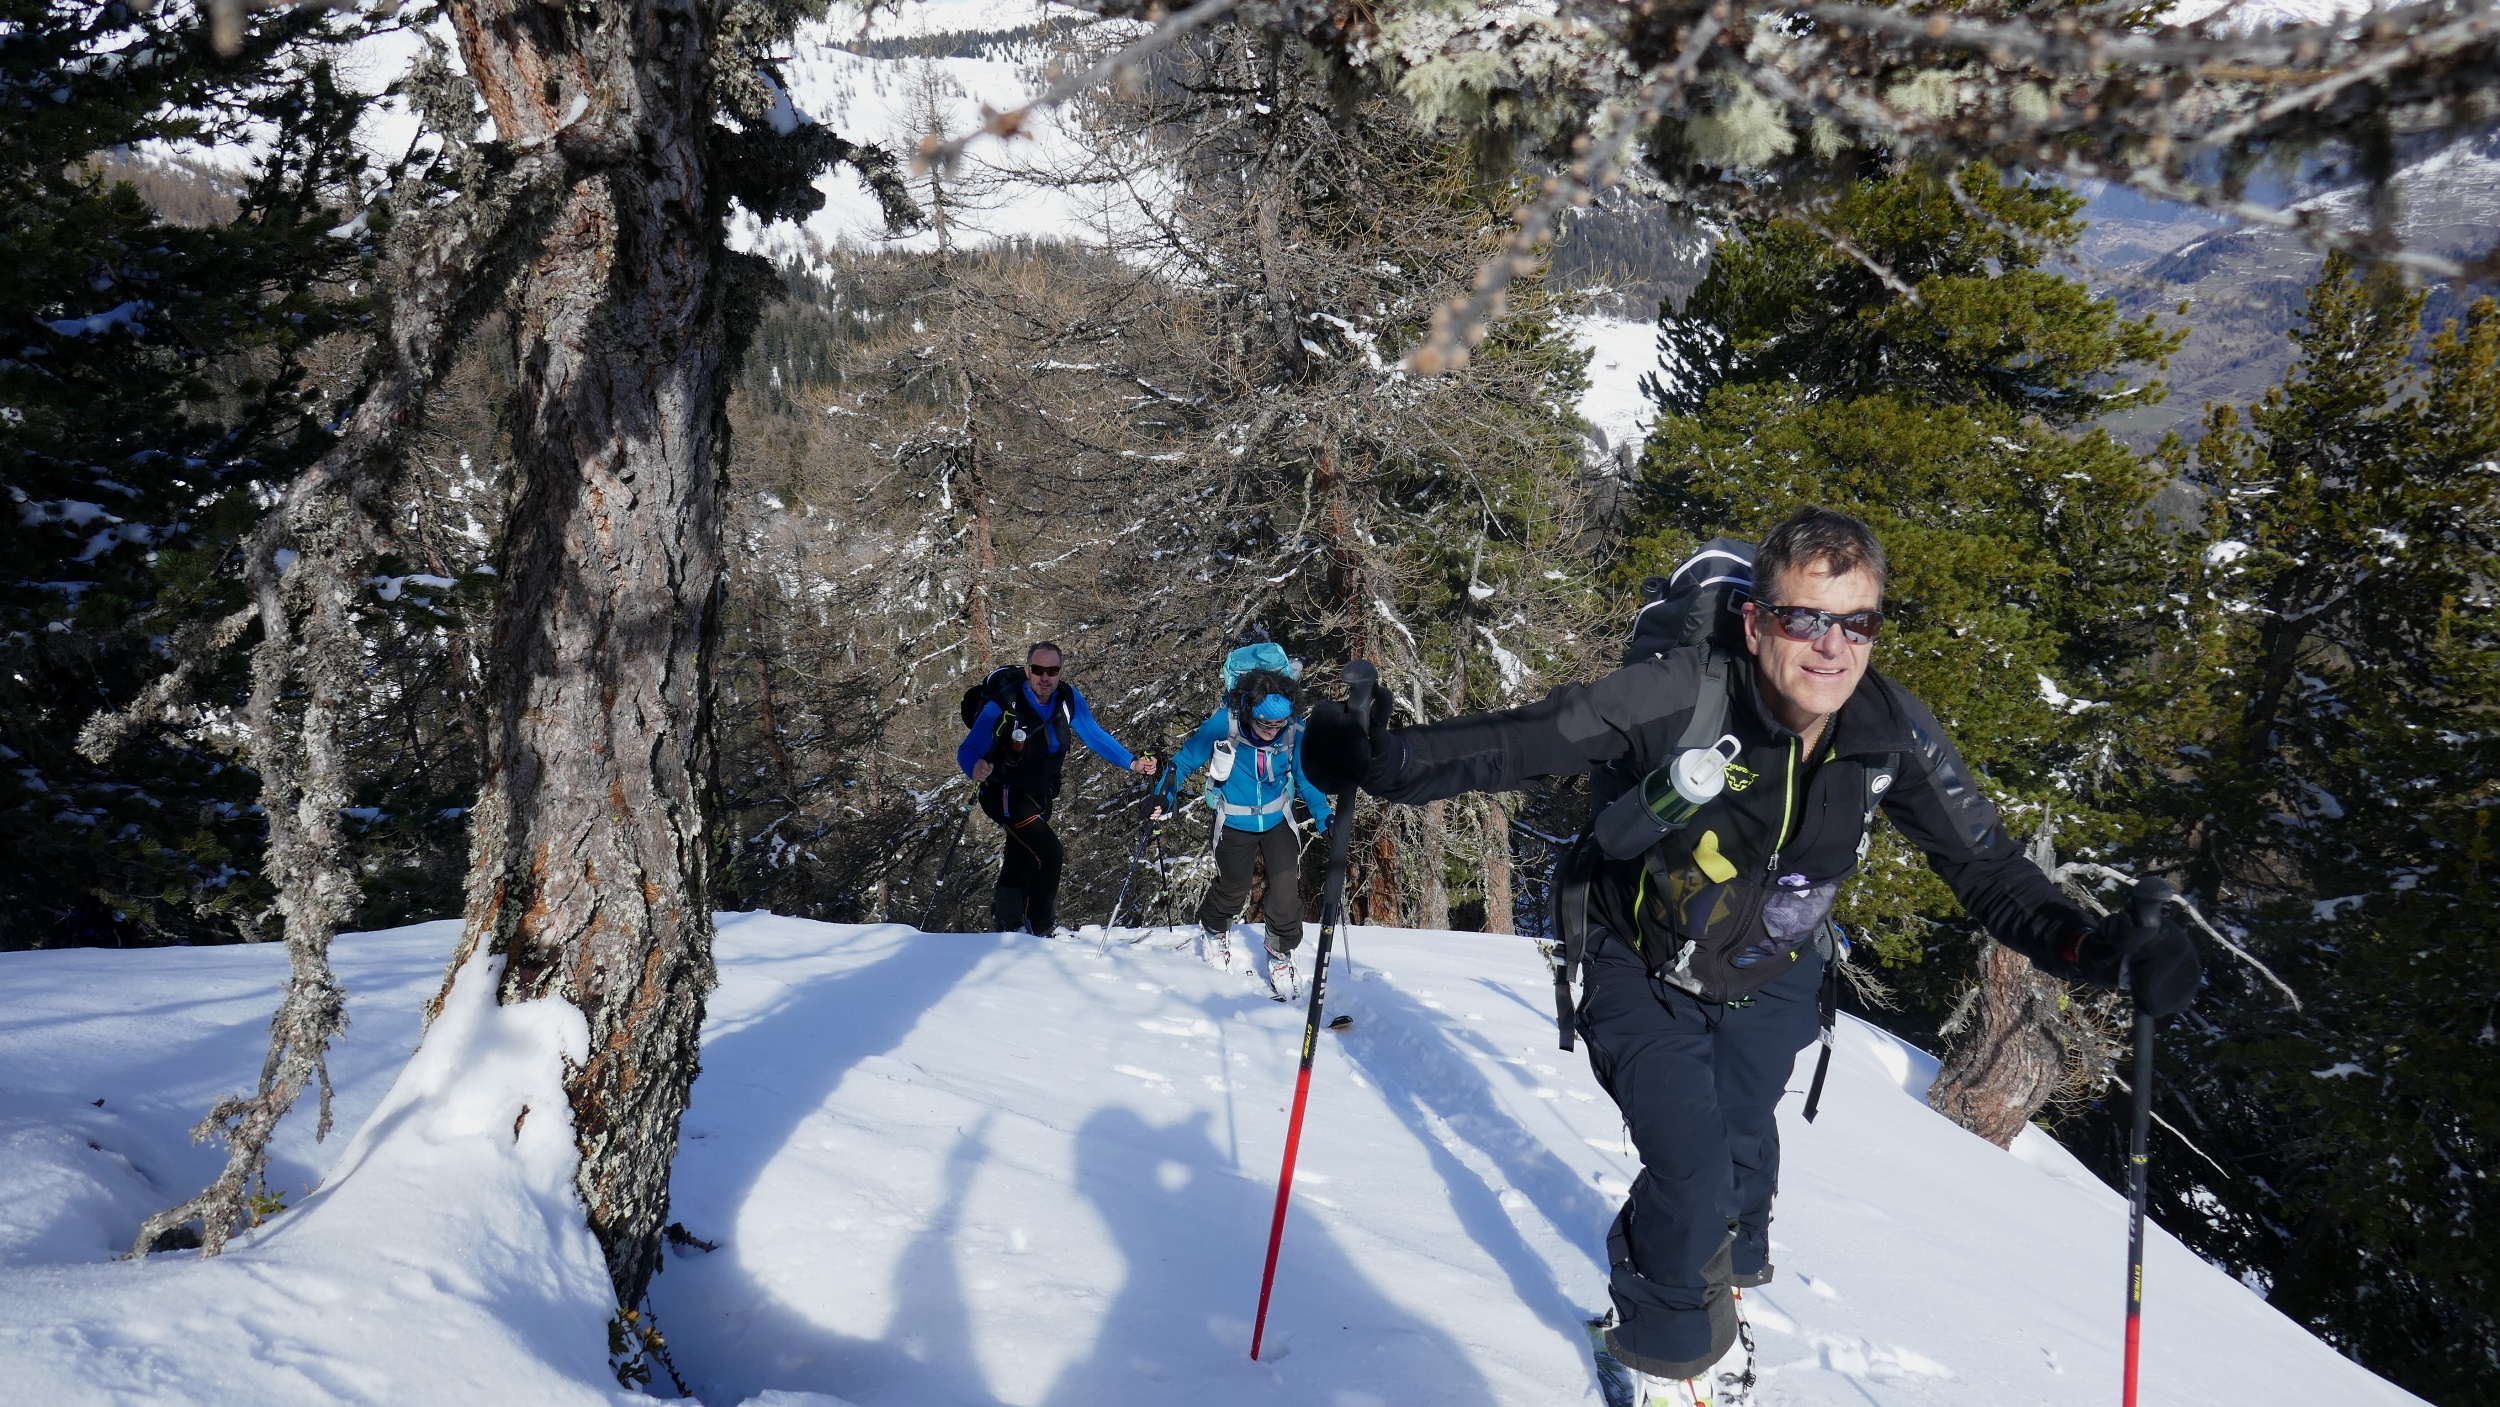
(1359, 677)
(2144, 905)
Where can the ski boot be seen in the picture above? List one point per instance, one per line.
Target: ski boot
(1727, 1383)
(1283, 983)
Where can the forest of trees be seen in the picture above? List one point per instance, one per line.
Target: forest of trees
(346, 512)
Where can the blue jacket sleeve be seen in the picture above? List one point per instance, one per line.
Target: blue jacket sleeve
(976, 744)
(1313, 799)
(1193, 755)
(1104, 745)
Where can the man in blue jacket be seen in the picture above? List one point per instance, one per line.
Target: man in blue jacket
(1250, 748)
(1013, 753)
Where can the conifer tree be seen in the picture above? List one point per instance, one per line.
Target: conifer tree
(2026, 584)
(1434, 525)
(2333, 793)
(156, 378)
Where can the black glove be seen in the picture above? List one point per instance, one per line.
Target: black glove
(2158, 964)
(1339, 749)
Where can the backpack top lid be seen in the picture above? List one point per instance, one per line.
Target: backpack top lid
(1265, 655)
(1699, 603)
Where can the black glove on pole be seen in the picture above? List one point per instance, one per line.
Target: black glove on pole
(1359, 678)
(1347, 744)
(2144, 908)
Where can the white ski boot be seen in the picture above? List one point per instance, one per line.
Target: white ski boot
(1283, 983)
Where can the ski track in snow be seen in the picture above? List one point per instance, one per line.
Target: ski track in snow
(981, 1169)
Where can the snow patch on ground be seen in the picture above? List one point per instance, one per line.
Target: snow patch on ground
(1622, 351)
(975, 1168)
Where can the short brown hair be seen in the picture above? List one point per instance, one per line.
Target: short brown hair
(1836, 542)
(1040, 645)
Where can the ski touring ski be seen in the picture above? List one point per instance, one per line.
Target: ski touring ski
(1618, 1385)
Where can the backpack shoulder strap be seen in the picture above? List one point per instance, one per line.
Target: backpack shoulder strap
(1709, 720)
(1833, 943)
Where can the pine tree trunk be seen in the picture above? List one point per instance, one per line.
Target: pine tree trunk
(1498, 915)
(1432, 903)
(2010, 1060)
(2012, 1051)
(588, 868)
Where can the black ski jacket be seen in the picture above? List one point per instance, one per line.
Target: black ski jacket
(1737, 896)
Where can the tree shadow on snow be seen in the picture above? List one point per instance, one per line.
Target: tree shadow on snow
(1193, 1237)
(759, 1083)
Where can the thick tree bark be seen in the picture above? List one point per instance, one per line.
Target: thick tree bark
(2010, 1059)
(2013, 1049)
(1499, 915)
(588, 871)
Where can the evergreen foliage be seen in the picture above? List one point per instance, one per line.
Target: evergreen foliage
(1989, 327)
(2026, 587)
(2333, 790)
(155, 378)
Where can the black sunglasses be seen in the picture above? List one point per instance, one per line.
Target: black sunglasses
(1042, 671)
(1807, 623)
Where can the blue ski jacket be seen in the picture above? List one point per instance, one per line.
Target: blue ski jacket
(976, 743)
(1258, 793)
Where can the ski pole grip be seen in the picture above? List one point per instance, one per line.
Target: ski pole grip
(1360, 677)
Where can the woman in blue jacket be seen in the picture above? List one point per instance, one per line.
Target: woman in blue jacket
(1254, 766)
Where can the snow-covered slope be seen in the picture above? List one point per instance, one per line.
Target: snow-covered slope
(1624, 350)
(981, 1169)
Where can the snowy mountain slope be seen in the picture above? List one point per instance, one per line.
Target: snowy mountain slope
(888, 100)
(1625, 349)
(2246, 287)
(981, 1169)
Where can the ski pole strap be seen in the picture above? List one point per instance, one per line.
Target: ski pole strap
(1829, 1006)
(1572, 873)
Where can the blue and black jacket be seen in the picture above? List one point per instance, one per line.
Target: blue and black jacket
(1032, 766)
(1257, 795)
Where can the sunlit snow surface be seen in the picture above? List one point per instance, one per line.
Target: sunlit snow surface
(978, 1169)
(1623, 351)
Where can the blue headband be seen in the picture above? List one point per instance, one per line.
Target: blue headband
(1275, 708)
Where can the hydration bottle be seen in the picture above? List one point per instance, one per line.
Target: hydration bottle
(1666, 799)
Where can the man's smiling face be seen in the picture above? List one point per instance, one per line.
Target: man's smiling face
(1801, 680)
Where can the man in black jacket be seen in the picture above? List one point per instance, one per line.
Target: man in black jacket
(1702, 958)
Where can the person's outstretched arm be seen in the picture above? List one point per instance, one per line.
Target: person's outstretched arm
(1193, 755)
(1635, 711)
(976, 744)
(1940, 809)
(1104, 745)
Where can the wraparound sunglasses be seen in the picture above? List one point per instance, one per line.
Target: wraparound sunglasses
(1807, 623)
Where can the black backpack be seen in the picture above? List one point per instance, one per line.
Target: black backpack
(1004, 686)
(1699, 603)
(998, 687)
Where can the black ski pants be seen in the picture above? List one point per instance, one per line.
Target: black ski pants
(1236, 851)
(1697, 1082)
(1027, 896)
